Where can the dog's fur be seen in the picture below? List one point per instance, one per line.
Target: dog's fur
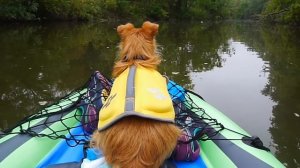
(137, 47)
(135, 142)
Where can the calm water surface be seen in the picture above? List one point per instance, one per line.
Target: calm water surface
(248, 71)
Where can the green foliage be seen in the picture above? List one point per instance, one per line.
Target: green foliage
(287, 11)
(18, 9)
(143, 9)
(69, 9)
(210, 10)
(294, 14)
(158, 11)
(249, 9)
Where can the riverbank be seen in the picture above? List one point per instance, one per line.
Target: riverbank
(183, 10)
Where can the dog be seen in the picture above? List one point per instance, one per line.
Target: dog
(136, 123)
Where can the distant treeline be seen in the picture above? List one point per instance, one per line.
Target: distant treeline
(287, 11)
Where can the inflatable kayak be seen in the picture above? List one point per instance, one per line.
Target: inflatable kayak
(59, 133)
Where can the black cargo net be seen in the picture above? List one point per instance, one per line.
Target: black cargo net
(195, 123)
(75, 117)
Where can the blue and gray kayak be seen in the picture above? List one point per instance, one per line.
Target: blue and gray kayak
(59, 133)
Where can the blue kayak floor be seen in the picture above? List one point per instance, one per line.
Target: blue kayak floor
(199, 163)
(63, 153)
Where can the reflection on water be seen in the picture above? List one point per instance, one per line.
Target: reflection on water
(249, 72)
(41, 63)
(239, 83)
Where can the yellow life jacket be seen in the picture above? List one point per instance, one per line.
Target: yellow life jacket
(140, 92)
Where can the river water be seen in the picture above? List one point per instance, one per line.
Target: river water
(246, 70)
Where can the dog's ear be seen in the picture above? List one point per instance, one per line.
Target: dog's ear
(150, 29)
(122, 29)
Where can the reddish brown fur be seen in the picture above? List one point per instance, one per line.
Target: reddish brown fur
(137, 42)
(135, 142)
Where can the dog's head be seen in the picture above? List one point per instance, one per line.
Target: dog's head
(138, 46)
